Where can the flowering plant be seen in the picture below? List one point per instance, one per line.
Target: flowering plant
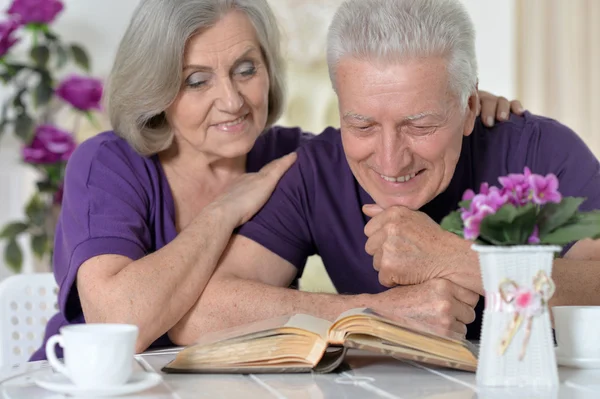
(35, 97)
(526, 209)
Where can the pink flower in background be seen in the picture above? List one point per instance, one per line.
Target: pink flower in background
(544, 189)
(49, 145)
(58, 195)
(35, 11)
(81, 92)
(7, 29)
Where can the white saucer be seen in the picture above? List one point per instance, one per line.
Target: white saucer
(580, 363)
(138, 382)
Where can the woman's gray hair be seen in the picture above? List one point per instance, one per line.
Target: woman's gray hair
(400, 30)
(147, 72)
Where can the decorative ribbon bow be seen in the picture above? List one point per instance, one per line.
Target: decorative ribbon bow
(525, 303)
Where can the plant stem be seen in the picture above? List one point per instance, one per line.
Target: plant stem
(35, 36)
(76, 124)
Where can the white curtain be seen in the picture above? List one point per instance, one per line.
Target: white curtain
(558, 63)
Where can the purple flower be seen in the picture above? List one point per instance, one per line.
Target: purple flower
(35, 11)
(7, 40)
(81, 92)
(544, 189)
(49, 145)
(481, 206)
(468, 195)
(58, 195)
(534, 238)
(517, 187)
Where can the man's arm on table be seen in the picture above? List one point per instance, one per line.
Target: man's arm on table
(249, 285)
(577, 275)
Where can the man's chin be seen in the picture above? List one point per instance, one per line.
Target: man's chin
(413, 204)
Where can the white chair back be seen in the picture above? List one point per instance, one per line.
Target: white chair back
(27, 302)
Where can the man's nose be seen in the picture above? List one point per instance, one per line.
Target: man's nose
(229, 98)
(393, 152)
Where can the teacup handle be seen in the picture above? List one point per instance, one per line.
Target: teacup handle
(51, 354)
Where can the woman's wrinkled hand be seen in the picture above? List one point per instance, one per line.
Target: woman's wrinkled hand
(494, 108)
(252, 190)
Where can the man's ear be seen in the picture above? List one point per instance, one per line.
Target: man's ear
(471, 113)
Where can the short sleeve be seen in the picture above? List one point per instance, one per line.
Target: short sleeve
(559, 150)
(562, 152)
(282, 225)
(105, 210)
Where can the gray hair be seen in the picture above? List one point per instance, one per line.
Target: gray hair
(399, 30)
(147, 71)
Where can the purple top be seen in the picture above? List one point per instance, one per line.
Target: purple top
(118, 202)
(316, 208)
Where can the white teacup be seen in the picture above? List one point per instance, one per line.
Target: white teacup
(95, 355)
(577, 329)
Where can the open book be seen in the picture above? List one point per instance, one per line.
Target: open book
(303, 343)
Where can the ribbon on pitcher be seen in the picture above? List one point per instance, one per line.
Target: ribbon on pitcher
(525, 303)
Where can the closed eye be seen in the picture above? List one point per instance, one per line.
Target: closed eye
(423, 129)
(246, 69)
(197, 80)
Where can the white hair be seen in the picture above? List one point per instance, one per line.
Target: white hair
(401, 30)
(146, 75)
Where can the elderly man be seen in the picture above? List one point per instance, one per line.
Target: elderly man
(368, 197)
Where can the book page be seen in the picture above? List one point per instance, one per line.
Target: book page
(244, 332)
(374, 344)
(310, 323)
(403, 322)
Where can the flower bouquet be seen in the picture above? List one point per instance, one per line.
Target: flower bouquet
(34, 97)
(518, 228)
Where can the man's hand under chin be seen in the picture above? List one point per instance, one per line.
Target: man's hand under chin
(408, 247)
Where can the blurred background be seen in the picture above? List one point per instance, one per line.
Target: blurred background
(545, 53)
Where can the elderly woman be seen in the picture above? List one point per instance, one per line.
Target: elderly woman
(150, 207)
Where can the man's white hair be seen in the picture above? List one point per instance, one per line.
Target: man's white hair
(402, 30)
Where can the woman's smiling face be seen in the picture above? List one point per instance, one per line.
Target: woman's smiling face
(222, 106)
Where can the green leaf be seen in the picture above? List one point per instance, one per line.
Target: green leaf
(80, 56)
(24, 127)
(4, 118)
(62, 56)
(49, 35)
(18, 100)
(453, 223)
(510, 225)
(555, 215)
(13, 229)
(46, 187)
(13, 256)
(40, 54)
(465, 204)
(5, 77)
(36, 211)
(14, 69)
(43, 93)
(39, 245)
(585, 225)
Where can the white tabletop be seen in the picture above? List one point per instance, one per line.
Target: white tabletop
(369, 376)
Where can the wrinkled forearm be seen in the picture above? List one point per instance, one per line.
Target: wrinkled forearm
(231, 301)
(158, 290)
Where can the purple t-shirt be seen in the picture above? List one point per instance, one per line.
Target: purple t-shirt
(118, 202)
(316, 208)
